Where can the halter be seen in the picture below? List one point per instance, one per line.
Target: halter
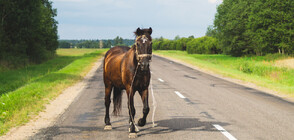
(140, 56)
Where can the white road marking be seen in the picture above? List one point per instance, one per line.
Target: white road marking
(180, 95)
(160, 80)
(224, 132)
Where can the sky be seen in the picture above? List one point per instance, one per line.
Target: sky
(106, 19)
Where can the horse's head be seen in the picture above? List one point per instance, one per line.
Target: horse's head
(143, 46)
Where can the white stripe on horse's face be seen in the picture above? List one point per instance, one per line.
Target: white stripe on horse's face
(144, 39)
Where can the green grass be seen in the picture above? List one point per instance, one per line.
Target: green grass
(259, 70)
(25, 91)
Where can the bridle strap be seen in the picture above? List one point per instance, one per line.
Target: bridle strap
(140, 56)
(144, 55)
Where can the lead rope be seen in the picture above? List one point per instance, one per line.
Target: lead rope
(153, 103)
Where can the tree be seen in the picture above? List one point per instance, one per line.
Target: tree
(118, 41)
(211, 31)
(107, 44)
(192, 36)
(230, 22)
(28, 31)
(101, 44)
(254, 27)
(177, 37)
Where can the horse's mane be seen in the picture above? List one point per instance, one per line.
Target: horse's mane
(140, 32)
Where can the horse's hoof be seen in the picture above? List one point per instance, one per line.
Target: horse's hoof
(136, 129)
(133, 135)
(141, 122)
(107, 127)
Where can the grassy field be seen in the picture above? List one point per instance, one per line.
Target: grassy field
(265, 71)
(25, 91)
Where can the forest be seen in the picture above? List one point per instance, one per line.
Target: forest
(28, 32)
(241, 28)
(106, 43)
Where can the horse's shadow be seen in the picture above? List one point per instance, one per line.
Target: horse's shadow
(180, 124)
(177, 124)
(162, 127)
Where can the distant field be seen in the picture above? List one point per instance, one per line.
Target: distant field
(25, 91)
(271, 71)
(74, 52)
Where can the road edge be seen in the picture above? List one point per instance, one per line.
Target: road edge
(236, 81)
(53, 110)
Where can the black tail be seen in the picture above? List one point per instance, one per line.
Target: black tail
(117, 97)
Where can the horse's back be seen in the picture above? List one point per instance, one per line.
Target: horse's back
(117, 50)
(112, 65)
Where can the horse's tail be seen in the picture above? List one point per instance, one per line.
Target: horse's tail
(117, 97)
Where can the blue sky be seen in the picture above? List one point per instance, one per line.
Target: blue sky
(106, 19)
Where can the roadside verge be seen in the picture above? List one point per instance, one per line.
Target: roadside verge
(237, 81)
(52, 111)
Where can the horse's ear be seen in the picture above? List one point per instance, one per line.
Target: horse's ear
(150, 30)
(138, 32)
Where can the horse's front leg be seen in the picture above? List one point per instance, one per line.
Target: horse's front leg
(144, 97)
(132, 112)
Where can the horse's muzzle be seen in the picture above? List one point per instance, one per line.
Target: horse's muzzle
(144, 66)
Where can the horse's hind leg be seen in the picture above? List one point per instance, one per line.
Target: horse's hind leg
(108, 89)
(144, 97)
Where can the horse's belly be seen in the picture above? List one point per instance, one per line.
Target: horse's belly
(112, 73)
(117, 82)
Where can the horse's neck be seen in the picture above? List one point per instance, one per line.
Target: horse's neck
(132, 56)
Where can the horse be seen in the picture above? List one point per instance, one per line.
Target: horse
(128, 68)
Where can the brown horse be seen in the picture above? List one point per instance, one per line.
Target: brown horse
(127, 69)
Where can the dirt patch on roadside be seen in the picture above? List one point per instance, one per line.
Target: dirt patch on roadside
(52, 111)
(288, 63)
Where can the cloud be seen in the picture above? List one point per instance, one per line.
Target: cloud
(70, 0)
(215, 1)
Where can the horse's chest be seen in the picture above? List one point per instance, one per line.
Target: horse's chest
(141, 82)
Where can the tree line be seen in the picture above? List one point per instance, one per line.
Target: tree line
(201, 45)
(104, 43)
(241, 28)
(28, 32)
(257, 27)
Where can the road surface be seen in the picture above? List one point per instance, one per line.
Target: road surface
(190, 105)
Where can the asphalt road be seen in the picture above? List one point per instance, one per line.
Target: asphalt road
(190, 105)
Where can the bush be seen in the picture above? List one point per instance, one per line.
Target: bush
(203, 45)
